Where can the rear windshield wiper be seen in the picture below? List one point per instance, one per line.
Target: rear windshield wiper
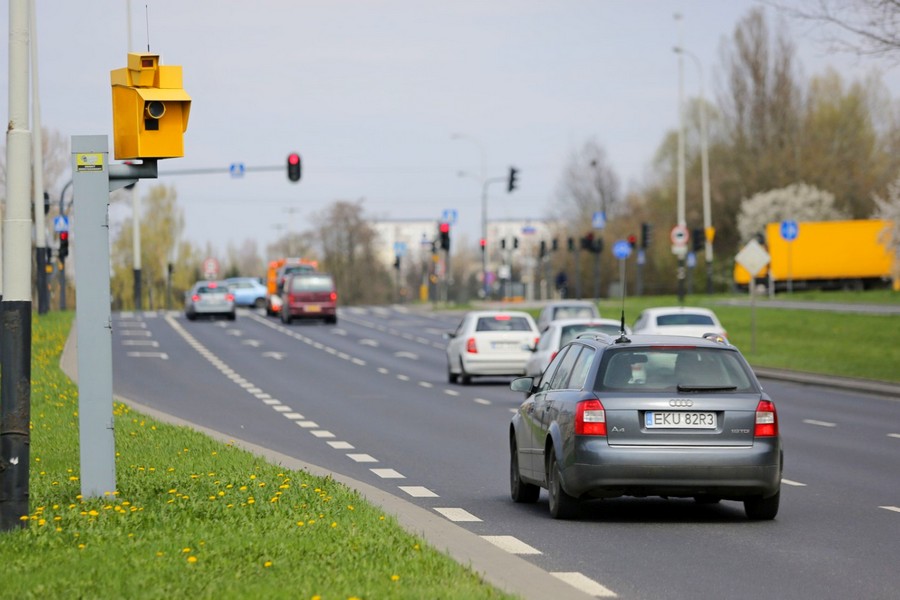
(706, 388)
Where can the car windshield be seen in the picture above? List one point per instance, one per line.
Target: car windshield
(572, 312)
(673, 369)
(312, 283)
(684, 319)
(211, 289)
(502, 323)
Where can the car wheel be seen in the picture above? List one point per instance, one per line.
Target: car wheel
(524, 493)
(190, 316)
(260, 303)
(285, 317)
(331, 320)
(231, 316)
(562, 505)
(451, 376)
(762, 509)
(464, 378)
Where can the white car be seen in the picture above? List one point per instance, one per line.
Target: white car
(491, 343)
(678, 320)
(567, 309)
(561, 332)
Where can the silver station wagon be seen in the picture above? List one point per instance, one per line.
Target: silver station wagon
(669, 416)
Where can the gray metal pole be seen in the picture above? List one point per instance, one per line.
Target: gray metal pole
(40, 230)
(90, 169)
(15, 309)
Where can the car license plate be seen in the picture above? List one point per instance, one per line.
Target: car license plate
(314, 308)
(505, 345)
(679, 420)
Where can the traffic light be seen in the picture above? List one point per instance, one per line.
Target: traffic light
(503, 244)
(698, 239)
(555, 245)
(571, 244)
(293, 166)
(587, 242)
(632, 241)
(397, 262)
(63, 245)
(483, 243)
(645, 235)
(513, 174)
(444, 230)
(543, 249)
(515, 243)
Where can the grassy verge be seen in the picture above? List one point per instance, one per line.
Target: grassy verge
(844, 344)
(197, 519)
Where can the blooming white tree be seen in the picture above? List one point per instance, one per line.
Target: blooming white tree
(889, 210)
(798, 202)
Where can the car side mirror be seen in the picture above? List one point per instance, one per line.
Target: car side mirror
(524, 385)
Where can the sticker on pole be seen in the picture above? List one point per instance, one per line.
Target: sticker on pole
(88, 162)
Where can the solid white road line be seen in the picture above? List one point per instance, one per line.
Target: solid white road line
(819, 423)
(458, 515)
(511, 544)
(417, 491)
(388, 474)
(586, 585)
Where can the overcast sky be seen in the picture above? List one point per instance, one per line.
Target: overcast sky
(369, 92)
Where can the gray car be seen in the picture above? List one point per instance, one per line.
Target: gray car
(209, 298)
(668, 416)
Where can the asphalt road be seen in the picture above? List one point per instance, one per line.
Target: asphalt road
(368, 399)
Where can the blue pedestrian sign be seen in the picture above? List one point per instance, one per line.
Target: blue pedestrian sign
(599, 220)
(236, 169)
(449, 216)
(399, 248)
(789, 230)
(61, 223)
(622, 249)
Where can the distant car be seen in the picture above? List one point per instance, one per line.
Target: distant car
(248, 291)
(490, 343)
(567, 309)
(561, 332)
(646, 416)
(209, 298)
(308, 295)
(678, 320)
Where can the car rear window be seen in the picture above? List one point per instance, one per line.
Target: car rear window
(573, 312)
(212, 289)
(312, 283)
(684, 319)
(673, 369)
(502, 323)
(570, 332)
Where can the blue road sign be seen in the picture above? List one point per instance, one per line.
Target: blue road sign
(61, 223)
(236, 169)
(449, 216)
(399, 248)
(789, 230)
(598, 221)
(622, 249)
(691, 260)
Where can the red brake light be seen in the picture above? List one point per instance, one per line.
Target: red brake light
(590, 418)
(229, 297)
(766, 420)
(213, 284)
(334, 296)
(501, 318)
(471, 348)
(195, 298)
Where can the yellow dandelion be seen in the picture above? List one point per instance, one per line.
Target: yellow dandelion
(333, 524)
(81, 546)
(252, 477)
(93, 513)
(395, 578)
(192, 559)
(350, 507)
(267, 564)
(185, 550)
(251, 500)
(160, 553)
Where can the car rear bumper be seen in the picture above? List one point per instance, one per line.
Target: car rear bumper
(483, 365)
(312, 311)
(601, 470)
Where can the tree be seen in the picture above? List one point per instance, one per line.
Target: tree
(799, 202)
(889, 209)
(861, 27)
(348, 252)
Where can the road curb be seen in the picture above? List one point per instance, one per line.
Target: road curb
(505, 571)
(880, 388)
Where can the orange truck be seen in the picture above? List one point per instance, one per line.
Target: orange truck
(826, 254)
(275, 278)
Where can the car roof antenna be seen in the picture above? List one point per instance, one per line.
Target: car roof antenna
(622, 339)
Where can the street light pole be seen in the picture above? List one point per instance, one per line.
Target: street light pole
(484, 184)
(704, 170)
(680, 207)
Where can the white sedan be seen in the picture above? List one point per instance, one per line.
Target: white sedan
(562, 331)
(678, 320)
(490, 343)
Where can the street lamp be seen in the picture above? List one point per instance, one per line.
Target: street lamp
(704, 170)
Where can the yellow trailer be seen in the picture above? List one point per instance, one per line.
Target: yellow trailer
(827, 254)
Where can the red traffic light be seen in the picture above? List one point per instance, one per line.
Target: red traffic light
(483, 243)
(445, 228)
(293, 166)
(632, 241)
(63, 236)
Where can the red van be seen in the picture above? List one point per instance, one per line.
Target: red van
(309, 296)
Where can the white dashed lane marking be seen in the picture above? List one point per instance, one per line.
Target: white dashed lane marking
(585, 584)
(151, 343)
(307, 424)
(793, 483)
(360, 458)
(341, 445)
(819, 423)
(293, 415)
(895, 509)
(388, 474)
(322, 434)
(894, 435)
(458, 515)
(418, 491)
(511, 544)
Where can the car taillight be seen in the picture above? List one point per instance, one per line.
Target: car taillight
(766, 420)
(333, 296)
(590, 418)
(195, 298)
(470, 346)
(229, 297)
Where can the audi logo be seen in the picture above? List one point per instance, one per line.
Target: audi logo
(681, 403)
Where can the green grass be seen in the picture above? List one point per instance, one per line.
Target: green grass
(194, 518)
(844, 344)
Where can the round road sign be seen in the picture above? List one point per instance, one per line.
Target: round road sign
(679, 235)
